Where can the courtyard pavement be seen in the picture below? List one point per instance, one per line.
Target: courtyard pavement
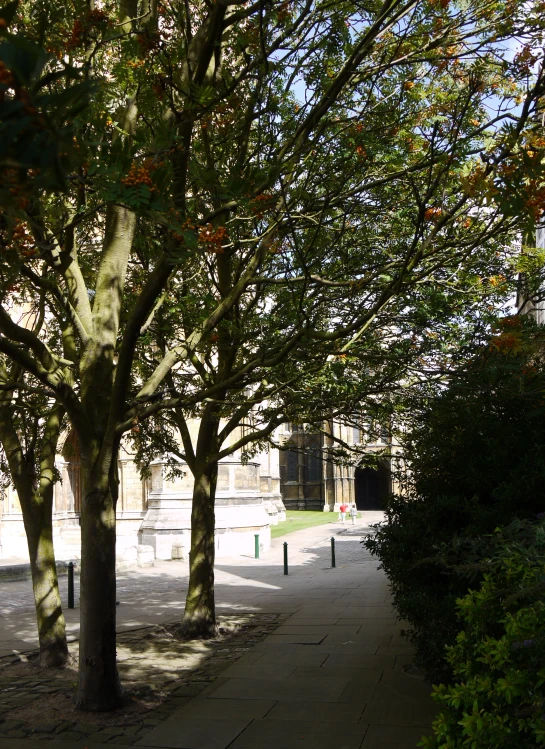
(330, 677)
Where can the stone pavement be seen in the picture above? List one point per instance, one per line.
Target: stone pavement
(330, 677)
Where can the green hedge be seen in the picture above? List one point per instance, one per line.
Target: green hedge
(477, 456)
(497, 699)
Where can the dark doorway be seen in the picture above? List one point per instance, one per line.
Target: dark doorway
(372, 487)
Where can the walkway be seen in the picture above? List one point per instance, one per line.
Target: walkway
(330, 677)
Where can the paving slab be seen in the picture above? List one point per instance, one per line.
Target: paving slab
(301, 690)
(400, 701)
(296, 620)
(305, 629)
(362, 675)
(329, 712)
(203, 707)
(308, 656)
(268, 646)
(288, 734)
(358, 692)
(372, 612)
(396, 649)
(248, 659)
(392, 737)
(302, 639)
(195, 733)
(349, 660)
(258, 670)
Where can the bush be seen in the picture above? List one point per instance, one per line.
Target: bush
(497, 700)
(430, 563)
(477, 457)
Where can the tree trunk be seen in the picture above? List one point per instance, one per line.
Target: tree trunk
(99, 688)
(200, 610)
(35, 494)
(39, 532)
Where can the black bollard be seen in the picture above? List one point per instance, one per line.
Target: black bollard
(332, 551)
(70, 585)
(285, 557)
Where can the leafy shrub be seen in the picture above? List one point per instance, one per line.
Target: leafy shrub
(477, 459)
(497, 700)
(430, 563)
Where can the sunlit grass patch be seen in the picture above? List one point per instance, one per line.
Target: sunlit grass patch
(297, 520)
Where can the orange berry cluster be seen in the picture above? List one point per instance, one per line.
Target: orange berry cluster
(525, 60)
(20, 201)
(147, 41)
(497, 280)
(138, 175)
(23, 240)
(535, 202)
(7, 81)
(6, 77)
(187, 224)
(76, 36)
(213, 239)
(283, 11)
(505, 342)
(432, 214)
(95, 18)
(260, 204)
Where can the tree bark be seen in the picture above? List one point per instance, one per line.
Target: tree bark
(36, 498)
(200, 608)
(99, 688)
(37, 517)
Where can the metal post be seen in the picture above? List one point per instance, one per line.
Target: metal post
(285, 557)
(256, 536)
(332, 551)
(70, 585)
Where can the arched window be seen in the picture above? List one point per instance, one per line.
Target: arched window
(314, 463)
(292, 460)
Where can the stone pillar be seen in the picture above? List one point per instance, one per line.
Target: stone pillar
(269, 484)
(240, 509)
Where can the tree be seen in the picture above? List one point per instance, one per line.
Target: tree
(34, 138)
(307, 165)
(355, 229)
(29, 442)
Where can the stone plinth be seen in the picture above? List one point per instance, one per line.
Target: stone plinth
(240, 510)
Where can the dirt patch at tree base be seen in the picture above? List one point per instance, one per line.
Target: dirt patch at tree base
(159, 671)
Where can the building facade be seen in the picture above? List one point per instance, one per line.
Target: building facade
(155, 514)
(310, 480)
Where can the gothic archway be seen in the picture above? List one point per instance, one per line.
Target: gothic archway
(372, 486)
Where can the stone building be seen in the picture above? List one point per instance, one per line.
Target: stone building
(252, 496)
(156, 513)
(534, 307)
(311, 481)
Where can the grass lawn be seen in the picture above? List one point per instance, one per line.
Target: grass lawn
(296, 520)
